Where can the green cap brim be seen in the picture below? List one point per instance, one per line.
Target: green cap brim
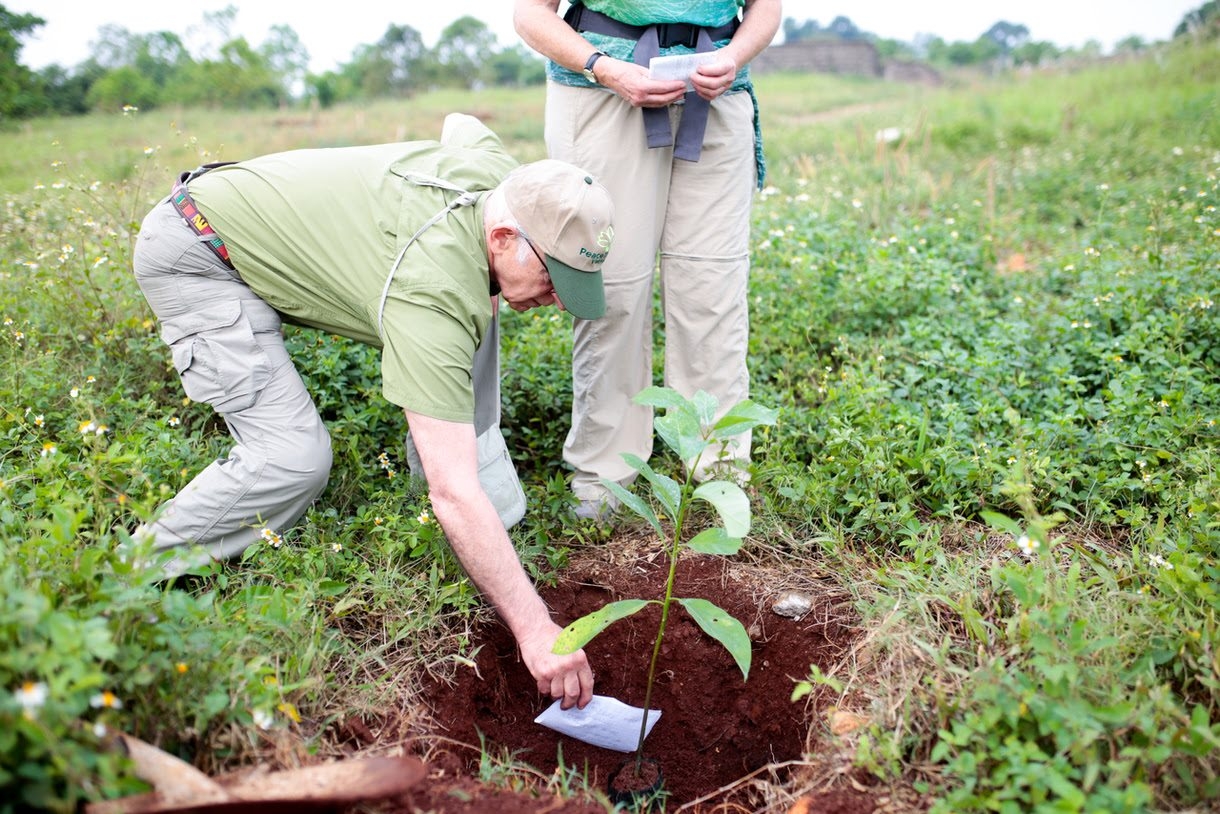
(581, 292)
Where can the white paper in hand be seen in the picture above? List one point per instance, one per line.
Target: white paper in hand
(678, 66)
(605, 722)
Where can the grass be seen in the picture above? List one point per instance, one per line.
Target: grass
(992, 339)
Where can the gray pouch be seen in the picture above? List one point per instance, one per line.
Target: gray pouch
(497, 475)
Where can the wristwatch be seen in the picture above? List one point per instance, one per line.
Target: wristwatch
(588, 69)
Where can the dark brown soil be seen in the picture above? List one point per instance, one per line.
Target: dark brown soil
(715, 729)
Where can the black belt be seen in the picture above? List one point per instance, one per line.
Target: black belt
(650, 39)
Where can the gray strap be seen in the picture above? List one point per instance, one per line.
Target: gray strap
(695, 108)
(694, 114)
(656, 119)
(464, 199)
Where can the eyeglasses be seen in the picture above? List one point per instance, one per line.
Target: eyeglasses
(534, 249)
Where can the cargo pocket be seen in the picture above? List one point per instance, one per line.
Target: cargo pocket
(217, 357)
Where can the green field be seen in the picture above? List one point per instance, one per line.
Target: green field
(985, 313)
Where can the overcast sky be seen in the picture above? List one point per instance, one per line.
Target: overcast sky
(331, 32)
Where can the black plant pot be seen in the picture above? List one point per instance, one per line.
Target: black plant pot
(635, 788)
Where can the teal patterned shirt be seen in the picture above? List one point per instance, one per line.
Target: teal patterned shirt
(707, 13)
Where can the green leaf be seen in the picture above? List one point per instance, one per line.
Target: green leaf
(723, 628)
(730, 502)
(745, 415)
(666, 489)
(681, 432)
(1000, 522)
(715, 541)
(704, 405)
(331, 587)
(580, 632)
(635, 503)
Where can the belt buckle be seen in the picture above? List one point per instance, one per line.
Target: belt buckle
(671, 34)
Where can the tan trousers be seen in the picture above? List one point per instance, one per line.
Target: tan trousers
(694, 216)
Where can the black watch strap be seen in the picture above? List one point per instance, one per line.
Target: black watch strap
(588, 69)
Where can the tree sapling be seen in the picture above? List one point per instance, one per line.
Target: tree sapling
(689, 428)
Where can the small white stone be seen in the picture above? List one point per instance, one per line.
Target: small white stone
(793, 605)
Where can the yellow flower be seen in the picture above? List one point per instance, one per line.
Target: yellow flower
(180, 667)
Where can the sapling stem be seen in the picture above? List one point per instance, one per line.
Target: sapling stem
(679, 522)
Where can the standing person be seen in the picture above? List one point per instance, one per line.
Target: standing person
(401, 246)
(681, 167)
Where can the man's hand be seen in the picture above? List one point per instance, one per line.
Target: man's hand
(450, 460)
(565, 677)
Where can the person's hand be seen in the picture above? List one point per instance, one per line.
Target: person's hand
(711, 79)
(566, 677)
(631, 82)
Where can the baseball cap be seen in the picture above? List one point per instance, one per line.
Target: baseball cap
(569, 217)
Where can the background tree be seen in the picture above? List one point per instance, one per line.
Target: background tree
(1130, 45)
(1035, 53)
(844, 28)
(65, 92)
(20, 89)
(287, 58)
(960, 53)
(1200, 21)
(515, 66)
(240, 78)
(1008, 36)
(121, 86)
(395, 66)
(796, 32)
(462, 50)
(133, 69)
